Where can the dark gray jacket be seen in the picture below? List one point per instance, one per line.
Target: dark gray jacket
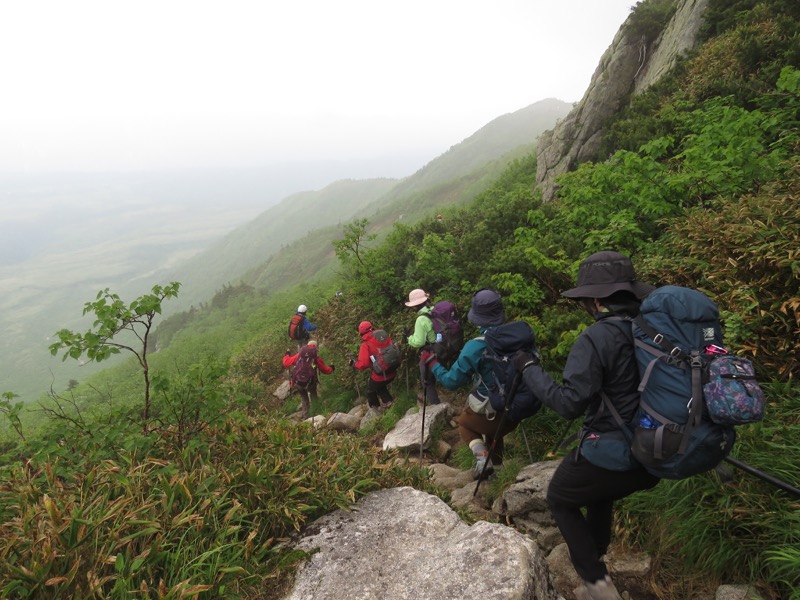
(602, 358)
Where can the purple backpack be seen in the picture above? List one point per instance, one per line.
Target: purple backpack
(446, 322)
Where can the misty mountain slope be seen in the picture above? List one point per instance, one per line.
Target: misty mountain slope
(312, 257)
(251, 244)
(492, 141)
(306, 223)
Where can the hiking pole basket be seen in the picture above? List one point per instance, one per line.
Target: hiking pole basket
(506, 404)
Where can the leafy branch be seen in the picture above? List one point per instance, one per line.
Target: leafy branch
(11, 411)
(113, 317)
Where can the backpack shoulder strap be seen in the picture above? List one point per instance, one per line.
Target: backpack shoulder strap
(606, 404)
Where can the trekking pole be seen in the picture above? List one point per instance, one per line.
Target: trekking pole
(355, 380)
(424, 404)
(764, 476)
(527, 445)
(507, 402)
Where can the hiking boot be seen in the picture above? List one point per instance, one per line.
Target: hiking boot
(386, 404)
(602, 589)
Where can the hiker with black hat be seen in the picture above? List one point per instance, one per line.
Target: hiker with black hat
(478, 422)
(600, 377)
(423, 337)
(378, 394)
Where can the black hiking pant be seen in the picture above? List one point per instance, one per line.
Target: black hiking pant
(378, 393)
(579, 484)
(428, 381)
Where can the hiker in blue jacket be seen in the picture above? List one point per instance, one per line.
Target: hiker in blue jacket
(478, 418)
(601, 364)
(302, 325)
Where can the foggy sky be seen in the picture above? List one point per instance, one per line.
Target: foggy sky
(98, 85)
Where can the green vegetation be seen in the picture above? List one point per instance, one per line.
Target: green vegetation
(113, 318)
(167, 520)
(701, 188)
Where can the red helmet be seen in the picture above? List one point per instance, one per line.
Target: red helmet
(364, 327)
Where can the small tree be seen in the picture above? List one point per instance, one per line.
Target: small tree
(112, 318)
(351, 249)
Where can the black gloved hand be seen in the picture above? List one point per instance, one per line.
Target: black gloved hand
(352, 362)
(522, 360)
(333, 368)
(287, 353)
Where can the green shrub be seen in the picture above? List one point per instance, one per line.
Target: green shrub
(750, 266)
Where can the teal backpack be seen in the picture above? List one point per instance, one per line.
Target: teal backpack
(693, 392)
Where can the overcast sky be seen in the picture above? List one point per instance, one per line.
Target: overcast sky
(107, 84)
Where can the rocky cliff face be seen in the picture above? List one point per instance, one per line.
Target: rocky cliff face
(629, 66)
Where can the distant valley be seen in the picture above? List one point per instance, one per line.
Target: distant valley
(64, 237)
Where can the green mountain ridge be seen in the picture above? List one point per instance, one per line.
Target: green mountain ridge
(290, 242)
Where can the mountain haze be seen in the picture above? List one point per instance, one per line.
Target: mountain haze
(492, 141)
(170, 232)
(305, 223)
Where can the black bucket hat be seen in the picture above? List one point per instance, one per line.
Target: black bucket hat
(487, 309)
(606, 272)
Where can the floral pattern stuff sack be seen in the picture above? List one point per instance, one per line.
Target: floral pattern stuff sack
(731, 391)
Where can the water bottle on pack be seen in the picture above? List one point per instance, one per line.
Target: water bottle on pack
(647, 422)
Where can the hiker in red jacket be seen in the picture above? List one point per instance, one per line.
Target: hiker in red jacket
(378, 395)
(306, 363)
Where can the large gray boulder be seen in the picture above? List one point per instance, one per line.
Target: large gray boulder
(524, 503)
(405, 544)
(409, 431)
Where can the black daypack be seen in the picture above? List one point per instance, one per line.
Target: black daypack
(502, 342)
(692, 390)
(446, 322)
(305, 368)
(297, 329)
(383, 352)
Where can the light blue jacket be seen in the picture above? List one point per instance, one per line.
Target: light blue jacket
(470, 367)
